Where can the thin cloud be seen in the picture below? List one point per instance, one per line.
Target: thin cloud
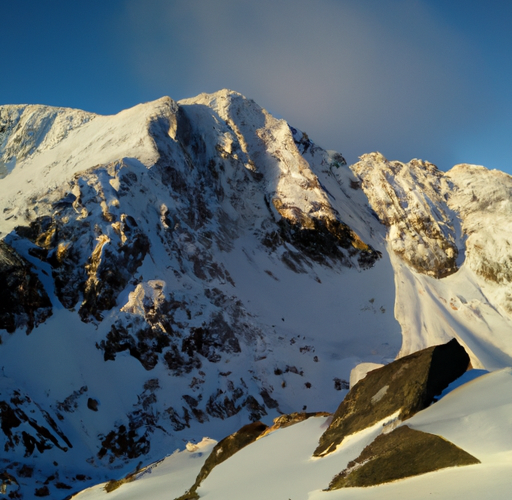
(355, 75)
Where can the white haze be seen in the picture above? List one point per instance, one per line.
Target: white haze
(356, 76)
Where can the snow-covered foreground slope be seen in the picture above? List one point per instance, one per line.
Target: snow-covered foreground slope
(476, 416)
(200, 264)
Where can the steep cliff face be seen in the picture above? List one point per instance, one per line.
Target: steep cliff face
(447, 235)
(24, 302)
(411, 200)
(266, 150)
(482, 199)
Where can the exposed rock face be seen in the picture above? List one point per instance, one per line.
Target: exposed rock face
(406, 385)
(270, 152)
(164, 233)
(222, 451)
(23, 301)
(289, 419)
(156, 322)
(410, 200)
(136, 231)
(402, 453)
(483, 196)
(93, 248)
(27, 427)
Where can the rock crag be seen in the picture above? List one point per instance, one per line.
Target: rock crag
(404, 386)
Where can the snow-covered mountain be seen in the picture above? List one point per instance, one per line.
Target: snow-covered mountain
(182, 269)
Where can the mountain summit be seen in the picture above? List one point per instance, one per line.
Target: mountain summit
(182, 269)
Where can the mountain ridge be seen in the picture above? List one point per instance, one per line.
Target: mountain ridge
(215, 267)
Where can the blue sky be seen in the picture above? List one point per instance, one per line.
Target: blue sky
(427, 79)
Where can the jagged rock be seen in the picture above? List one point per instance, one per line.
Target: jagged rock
(324, 240)
(8, 484)
(160, 204)
(289, 419)
(223, 450)
(402, 453)
(27, 427)
(124, 443)
(150, 327)
(23, 300)
(92, 404)
(132, 438)
(93, 249)
(483, 196)
(141, 341)
(70, 404)
(309, 222)
(406, 385)
(42, 492)
(421, 230)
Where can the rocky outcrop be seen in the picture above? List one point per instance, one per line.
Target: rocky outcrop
(325, 240)
(270, 154)
(405, 386)
(24, 302)
(402, 453)
(410, 199)
(26, 427)
(138, 221)
(159, 326)
(482, 199)
(93, 248)
(290, 419)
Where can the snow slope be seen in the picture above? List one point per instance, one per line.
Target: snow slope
(476, 416)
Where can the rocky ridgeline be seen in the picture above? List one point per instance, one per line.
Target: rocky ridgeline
(410, 199)
(439, 220)
(197, 197)
(139, 226)
(483, 200)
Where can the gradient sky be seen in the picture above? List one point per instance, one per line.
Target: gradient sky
(429, 79)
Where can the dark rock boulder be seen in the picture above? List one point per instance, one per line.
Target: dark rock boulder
(406, 385)
(223, 450)
(402, 453)
(23, 300)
